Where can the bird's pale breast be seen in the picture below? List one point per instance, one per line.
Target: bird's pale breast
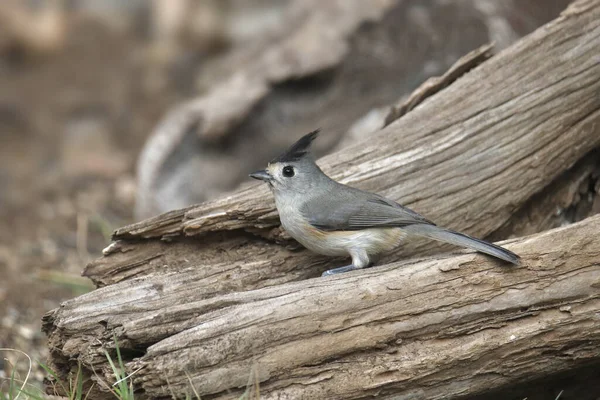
(340, 243)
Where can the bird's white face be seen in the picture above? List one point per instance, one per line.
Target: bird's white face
(288, 177)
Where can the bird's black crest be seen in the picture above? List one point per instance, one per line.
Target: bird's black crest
(298, 149)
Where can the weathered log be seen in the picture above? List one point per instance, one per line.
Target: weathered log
(435, 328)
(511, 143)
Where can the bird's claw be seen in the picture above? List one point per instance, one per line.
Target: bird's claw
(339, 270)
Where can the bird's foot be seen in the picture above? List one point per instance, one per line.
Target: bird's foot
(339, 270)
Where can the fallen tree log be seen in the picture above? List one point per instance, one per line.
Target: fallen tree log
(432, 329)
(435, 328)
(511, 144)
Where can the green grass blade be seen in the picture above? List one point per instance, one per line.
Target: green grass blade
(123, 389)
(79, 383)
(53, 374)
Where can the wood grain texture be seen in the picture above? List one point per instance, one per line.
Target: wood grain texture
(413, 328)
(336, 64)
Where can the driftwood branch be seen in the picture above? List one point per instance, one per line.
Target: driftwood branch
(511, 102)
(213, 283)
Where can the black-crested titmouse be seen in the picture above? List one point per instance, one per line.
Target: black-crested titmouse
(333, 219)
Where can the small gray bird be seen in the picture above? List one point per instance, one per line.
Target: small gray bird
(333, 219)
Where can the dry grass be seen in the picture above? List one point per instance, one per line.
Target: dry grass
(15, 388)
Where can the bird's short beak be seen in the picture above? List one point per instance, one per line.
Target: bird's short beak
(262, 175)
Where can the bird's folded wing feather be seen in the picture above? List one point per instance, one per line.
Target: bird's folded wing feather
(355, 210)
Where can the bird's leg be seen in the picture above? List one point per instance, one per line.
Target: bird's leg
(360, 259)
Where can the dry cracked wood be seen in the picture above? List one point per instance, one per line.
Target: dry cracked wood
(409, 330)
(436, 328)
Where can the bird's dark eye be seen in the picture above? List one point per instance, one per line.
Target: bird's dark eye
(288, 171)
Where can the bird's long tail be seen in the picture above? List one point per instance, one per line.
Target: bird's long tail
(460, 239)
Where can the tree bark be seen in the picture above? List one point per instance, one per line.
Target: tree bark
(435, 328)
(205, 289)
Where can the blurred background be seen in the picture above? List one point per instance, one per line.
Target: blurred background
(112, 111)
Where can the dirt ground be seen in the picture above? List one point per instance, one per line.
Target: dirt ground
(71, 126)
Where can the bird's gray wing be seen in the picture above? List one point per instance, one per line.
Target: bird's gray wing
(353, 209)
